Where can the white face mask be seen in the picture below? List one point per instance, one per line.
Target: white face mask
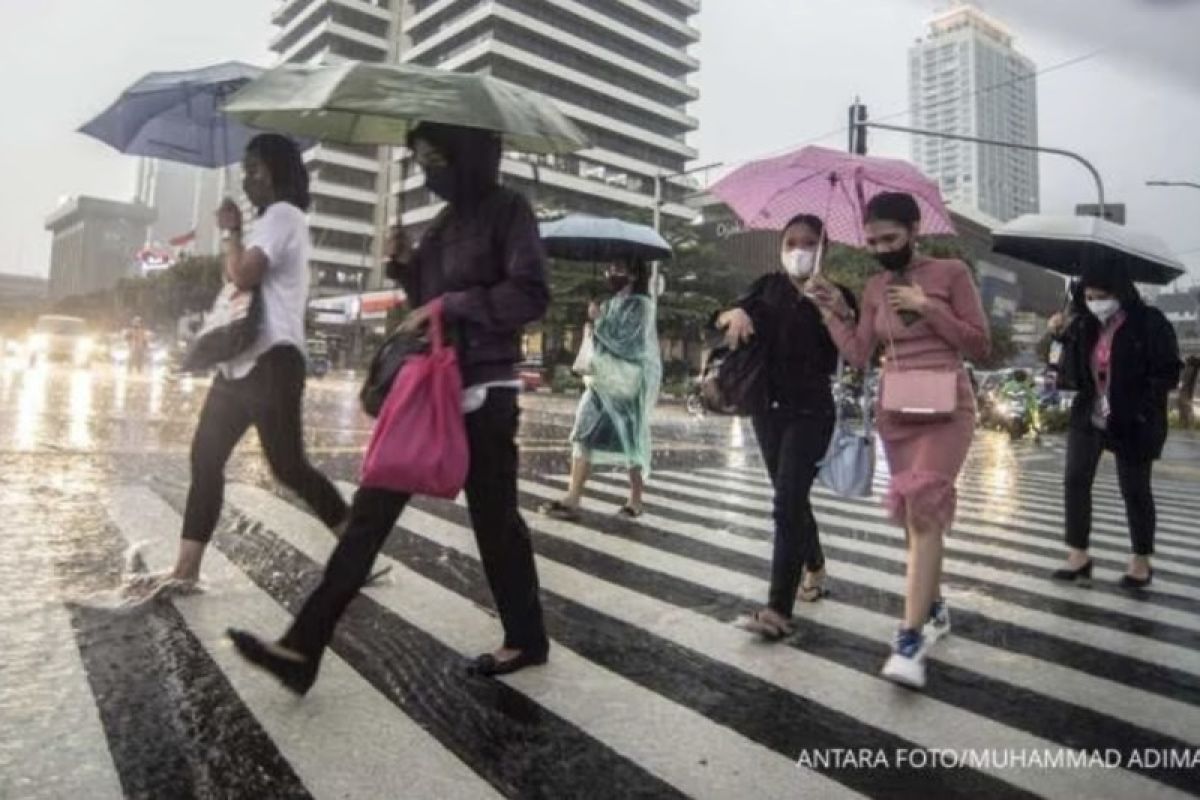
(1103, 309)
(798, 263)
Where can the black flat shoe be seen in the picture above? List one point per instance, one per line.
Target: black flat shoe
(487, 665)
(1081, 576)
(298, 676)
(1131, 583)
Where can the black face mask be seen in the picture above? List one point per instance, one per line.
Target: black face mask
(441, 181)
(896, 260)
(617, 283)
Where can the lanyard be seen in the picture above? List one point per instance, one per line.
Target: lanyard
(1102, 355)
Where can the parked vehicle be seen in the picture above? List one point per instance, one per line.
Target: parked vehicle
(60, 338)
(318, 358)
(532, 374)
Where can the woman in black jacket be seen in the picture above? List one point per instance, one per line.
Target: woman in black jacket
(481, 260)
(1122, 358)
(794, 430)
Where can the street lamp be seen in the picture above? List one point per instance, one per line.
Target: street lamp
(1188, 184)
(659, 177)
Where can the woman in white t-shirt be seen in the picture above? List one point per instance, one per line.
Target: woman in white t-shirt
(263, 386)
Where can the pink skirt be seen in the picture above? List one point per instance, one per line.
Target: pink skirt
(924, 459)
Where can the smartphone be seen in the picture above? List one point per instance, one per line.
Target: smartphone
(907, 317)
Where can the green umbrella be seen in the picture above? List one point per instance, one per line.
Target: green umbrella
(377, 104)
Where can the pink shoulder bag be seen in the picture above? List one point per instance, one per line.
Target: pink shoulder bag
(917, 394)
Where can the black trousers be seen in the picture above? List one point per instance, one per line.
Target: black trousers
(505, 547)
(792, 445)
(1084, 448)
(270, 398)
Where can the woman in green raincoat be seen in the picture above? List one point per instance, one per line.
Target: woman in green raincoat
(612, 424)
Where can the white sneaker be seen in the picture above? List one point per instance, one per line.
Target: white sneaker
(938, 625)
(906, 665)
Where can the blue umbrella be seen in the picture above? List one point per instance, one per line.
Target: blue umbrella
(584, 238)
(177, 116)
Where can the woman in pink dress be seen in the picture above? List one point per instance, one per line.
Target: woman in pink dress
(927, 315)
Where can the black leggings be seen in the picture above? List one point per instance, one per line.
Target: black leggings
(505, 547)
(792, 445)
(1084, 448)
(270, 399)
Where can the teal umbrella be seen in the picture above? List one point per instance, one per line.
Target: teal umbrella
(377, 104)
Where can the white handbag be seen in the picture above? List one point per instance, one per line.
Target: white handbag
(587, 350)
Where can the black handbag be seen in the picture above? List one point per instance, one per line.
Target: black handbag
(230, 328)
(385, 366)
(734, 382)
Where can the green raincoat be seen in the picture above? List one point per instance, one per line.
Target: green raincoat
(612, 425)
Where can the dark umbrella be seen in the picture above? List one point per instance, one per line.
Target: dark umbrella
(584, 238)
(177, 116)
(1067, 245)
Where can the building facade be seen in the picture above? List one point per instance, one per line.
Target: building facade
(95, 244)
(966, 77)
(345, 181)
(185, 200)
(618, 68)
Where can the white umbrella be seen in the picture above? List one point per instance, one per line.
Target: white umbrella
(1067, 245)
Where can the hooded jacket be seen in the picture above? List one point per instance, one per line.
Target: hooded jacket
(482, 255)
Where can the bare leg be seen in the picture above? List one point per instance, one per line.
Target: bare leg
(924, 576)
(580, 471)
(636, 486)
(187, 565)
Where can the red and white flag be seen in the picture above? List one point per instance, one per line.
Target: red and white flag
(183, 239)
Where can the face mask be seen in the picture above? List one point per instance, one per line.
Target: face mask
(798, 263)
(896, 260)
(617, 282)
(440, 181)
(1103, 309)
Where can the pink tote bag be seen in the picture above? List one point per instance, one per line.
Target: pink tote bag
(419, 445)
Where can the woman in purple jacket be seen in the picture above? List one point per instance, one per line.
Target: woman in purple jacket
(483, 259)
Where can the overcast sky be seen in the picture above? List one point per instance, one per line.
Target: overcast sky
(774, 73)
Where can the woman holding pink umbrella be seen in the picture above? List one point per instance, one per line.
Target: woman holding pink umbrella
(927, 314)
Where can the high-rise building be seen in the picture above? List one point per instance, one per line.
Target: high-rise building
(345, 181)
(619, 68)
(95, 244)
(185, 200)
(966, 77)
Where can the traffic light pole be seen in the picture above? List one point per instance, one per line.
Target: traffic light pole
(860, 124)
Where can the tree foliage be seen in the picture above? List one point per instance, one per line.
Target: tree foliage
(159, 299)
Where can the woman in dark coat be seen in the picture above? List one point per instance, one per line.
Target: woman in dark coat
(1122, 358)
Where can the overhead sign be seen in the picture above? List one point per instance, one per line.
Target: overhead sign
(348, 308)
(154, 259)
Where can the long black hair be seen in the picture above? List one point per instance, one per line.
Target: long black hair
(639, 275)
(898, 207)
(289, 175)
(1110, 277)
(810, 221)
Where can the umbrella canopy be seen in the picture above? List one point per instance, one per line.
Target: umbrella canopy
(176, 116)
(377, 104)
(829, 184)
(1067, 245)
(584, 238)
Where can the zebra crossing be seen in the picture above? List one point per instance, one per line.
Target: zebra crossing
(651, 691)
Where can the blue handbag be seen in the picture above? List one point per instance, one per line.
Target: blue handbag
(848, 468)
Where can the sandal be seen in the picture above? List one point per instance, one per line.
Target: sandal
(812, 588)
(767, 629)
(557, 509)
(629, 511)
